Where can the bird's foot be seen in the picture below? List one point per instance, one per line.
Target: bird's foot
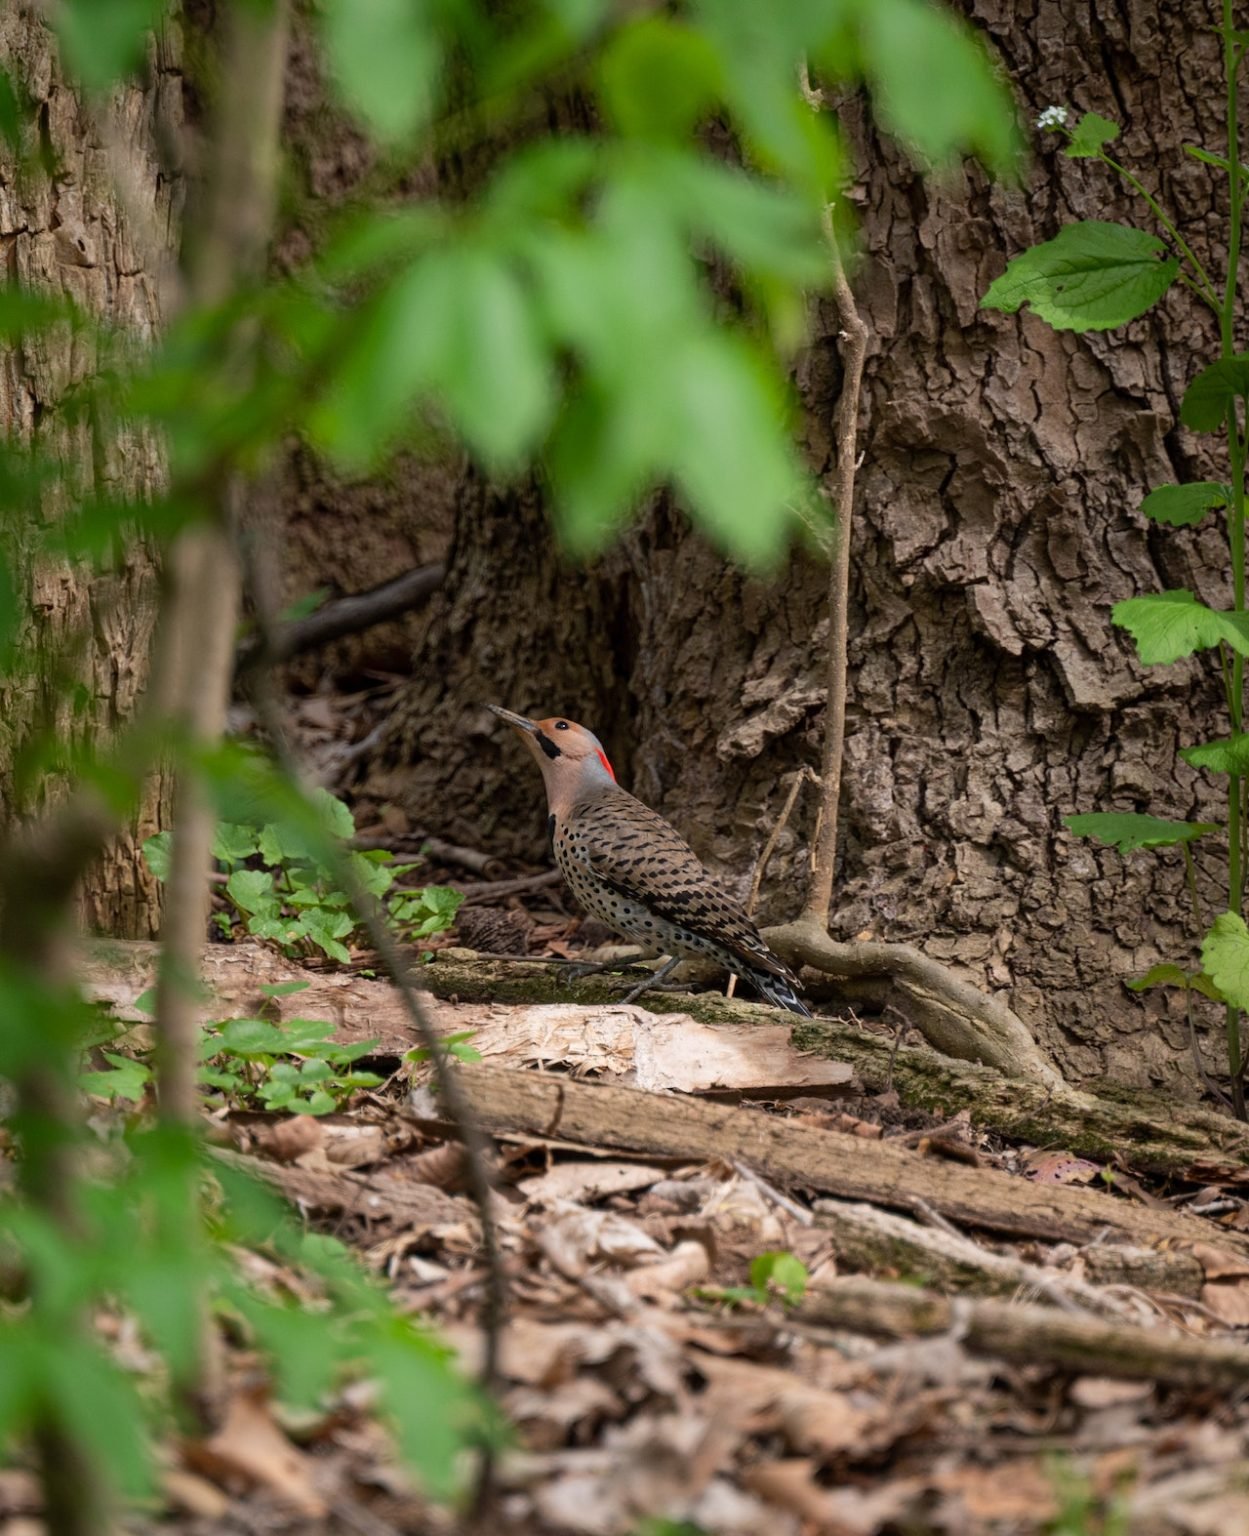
(652, 981)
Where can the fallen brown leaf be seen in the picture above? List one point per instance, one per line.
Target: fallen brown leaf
(291, 1138)
(250, 1446)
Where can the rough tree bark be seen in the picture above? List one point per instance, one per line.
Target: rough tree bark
(997, 525)
(68, 233)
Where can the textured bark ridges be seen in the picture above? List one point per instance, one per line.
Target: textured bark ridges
(997, 525)
(67, 233)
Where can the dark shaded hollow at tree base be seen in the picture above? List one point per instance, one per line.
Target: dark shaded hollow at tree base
(1150, 1133)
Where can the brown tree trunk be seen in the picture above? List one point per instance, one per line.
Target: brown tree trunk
(997, 524)
(77, 231)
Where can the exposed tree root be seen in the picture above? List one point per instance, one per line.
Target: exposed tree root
(952, 1015)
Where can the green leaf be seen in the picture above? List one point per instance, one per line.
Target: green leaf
(494, 377)
(1225, 956)
(384, 56)
(731, 455)
(658, 78)
(156, 854)
(1230, 755)
(1168, 626)
(1090, 277)
(376, 878)
(248, 1038)
(284, 988)
(1089, 136)
(334, 813)
(310, 1037)
(1125, 830)
(252, 890)
(325, 929)
(233, 843)
(783, 1271)
(128, 1079)
(934, 86)
(763, 227)
(1177, 976)
(101, 42)
(146, 1002)
(1209, 397)
(1181, 506)
(429, 1402)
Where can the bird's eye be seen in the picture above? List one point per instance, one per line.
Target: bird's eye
(561, 725)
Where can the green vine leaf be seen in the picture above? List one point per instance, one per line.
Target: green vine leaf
(1126, 830)
(1176, 976)
(1090, 277)
(1168, 626)
(1212, 393)
(1180, 506)
(1229, 755)
(1225, 955)
(1089, 135)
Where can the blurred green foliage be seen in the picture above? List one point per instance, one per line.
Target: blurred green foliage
(614, 310)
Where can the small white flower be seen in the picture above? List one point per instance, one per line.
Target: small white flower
(1053, 117)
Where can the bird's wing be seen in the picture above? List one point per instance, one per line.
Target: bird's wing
(634, 850)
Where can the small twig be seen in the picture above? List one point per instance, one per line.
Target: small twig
(494, 890)
(487, 865)
(798, 1212)
(803, 775)
(1204, 1078)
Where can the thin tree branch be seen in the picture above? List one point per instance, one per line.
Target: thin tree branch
(347, 616)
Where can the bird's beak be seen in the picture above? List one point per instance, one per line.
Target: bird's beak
(518, 721)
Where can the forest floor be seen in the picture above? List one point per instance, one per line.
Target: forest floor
(962, 1334)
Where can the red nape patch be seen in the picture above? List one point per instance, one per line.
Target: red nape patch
(602, 757)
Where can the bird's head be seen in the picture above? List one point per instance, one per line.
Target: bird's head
(571, 758)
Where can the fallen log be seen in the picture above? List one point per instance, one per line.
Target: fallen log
(1030, 1334)
(803, 1156)
(873, 1240)
(1149, 1132)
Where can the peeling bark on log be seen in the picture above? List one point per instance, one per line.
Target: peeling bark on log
(1032, 1335)
(1153, 1135)
(802, 1156)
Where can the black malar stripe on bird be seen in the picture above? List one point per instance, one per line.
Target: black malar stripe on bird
(547, 745)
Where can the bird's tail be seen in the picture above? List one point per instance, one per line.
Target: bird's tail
(777, 991)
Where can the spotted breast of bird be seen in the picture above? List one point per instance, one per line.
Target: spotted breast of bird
(633, 871)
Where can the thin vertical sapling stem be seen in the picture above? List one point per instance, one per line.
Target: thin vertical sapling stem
(373, 920)
(195, 663)
(1233, 55)
(854, 335)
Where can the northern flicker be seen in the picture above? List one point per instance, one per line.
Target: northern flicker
(630, 869)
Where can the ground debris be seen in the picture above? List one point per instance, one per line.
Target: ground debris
(985, 1336)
